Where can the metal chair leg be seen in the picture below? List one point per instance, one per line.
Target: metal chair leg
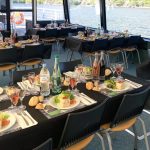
(138, 56)
(123, 57)
(102, 140)
(145, 135)
(90, 57)
(109, 140)
(71, 55)
(126, 59)
(135, 138)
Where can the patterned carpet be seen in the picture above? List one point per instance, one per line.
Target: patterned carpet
(120, 140)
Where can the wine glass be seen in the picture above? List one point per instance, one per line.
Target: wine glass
(31, 77)
(67, 82)
(119, 69)
(113, 69)
(72, 82)
(13, 94)
(22, 94)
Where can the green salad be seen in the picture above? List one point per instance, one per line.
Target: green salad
(63, 95)
(110, 84)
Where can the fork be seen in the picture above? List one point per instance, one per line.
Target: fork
(25, 114)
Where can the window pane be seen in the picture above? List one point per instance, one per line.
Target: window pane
(50, 10)
(86, 13)
(3, 22)
(18, 21)
(21, 4)
(133, 16)
(2, 4)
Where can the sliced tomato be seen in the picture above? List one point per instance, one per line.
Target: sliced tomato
(5, 122)
(72, 102)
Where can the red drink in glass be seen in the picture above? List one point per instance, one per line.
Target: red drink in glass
(14, 98)
(72, 82)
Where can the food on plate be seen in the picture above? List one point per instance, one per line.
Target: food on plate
(40, 106)
(65, 99)
(107, 72)
(110, 84)
(120, 85)
(33, 101)
(87, 70)
(4, 119)
(41, 98)
(18, 44)
(96, 88)
(89, 85)
(66, 83)
(115, 84)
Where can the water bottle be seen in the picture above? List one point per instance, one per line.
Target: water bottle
(1, 37)
(44, 81)
(56, 77)
(98, 29)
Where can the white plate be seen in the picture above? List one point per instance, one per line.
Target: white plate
(12, 119)
(54, 105)
(1, 90)
(126, 87)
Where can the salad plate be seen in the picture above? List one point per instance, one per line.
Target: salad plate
(9, 120)
(64, 101)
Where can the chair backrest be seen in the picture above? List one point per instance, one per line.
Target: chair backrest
(51, 33)
(17, 75)
(81, 125)
(47, 145)
(116, 42)
(100, 44)
(143, 71)
(69, 66)
(33, 51)
(131, 106)
(8, 55)
(133, 40)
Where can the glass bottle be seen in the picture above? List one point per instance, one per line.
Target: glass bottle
(44, 81)
(1, 37)
(56, 77)
(96, 67)
(102, 66)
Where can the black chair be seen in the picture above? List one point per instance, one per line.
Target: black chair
(8, 60)
(143, 72)
(17, 75)
(114, 48)
(80, 128)
(47, 145)
(131, 45)
(127, 114)
(32, 55)
(69, 66)
(51, 33)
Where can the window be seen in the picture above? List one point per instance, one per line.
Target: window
(132, 15)
(2, 4)
(50, 10)
(21, 4)
(3, 22)
(86, 13)
(18, 21)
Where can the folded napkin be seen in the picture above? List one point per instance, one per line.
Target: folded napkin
(25, 116)
(134, 84)
(4, 97)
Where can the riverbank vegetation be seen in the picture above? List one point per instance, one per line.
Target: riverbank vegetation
(119, 3)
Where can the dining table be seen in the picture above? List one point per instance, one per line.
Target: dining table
(51, 126)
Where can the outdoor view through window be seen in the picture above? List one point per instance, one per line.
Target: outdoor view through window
(131, 15)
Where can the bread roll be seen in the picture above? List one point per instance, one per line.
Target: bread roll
(40, 106)
(33, 101)
(41, 98)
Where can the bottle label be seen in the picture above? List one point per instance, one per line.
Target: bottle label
(43, 79)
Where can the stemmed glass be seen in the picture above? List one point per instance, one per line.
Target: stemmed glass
(13, 94)
(119, 69)
(67, 82)
(113, 69)
(22, 94)
(73, 82)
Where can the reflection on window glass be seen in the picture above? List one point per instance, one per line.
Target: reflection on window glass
(50, 10)
(18, 21)
(3, 22)
(133, 16)
(21, 4)
(83, 12)
(2, 4)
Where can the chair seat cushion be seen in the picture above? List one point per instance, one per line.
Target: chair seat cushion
(114, 51)
(129, 49)
(31, 62)
(6, 67)
(121, 126)
(82, 144)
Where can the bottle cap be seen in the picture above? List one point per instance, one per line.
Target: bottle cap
(43, 65)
